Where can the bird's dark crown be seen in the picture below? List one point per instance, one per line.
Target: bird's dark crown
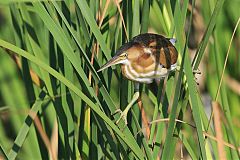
(144, 40)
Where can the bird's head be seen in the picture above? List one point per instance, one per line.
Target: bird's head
(125, 55)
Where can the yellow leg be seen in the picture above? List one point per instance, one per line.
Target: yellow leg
(123, 114)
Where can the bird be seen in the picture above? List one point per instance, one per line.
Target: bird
(145, 58)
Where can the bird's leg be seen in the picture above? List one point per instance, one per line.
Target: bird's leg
(123, 114)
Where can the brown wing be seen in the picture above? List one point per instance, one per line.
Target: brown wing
(161, 47)
(166, 56)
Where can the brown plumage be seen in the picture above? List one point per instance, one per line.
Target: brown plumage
(145, 58)
(160, 47)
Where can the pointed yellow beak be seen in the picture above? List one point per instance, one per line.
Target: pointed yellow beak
(115, 60)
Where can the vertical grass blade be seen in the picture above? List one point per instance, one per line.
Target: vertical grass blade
(22, 135)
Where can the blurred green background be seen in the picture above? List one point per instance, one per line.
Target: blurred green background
(54, 105)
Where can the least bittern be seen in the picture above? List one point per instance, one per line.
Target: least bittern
(147, 57)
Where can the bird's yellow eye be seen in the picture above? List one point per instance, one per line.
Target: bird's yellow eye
(124, 55)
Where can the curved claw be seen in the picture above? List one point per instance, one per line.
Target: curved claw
(117, 111)
(123, 116)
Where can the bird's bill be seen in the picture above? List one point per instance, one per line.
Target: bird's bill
(115, 60)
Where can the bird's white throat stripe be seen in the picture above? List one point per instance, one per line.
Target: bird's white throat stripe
(136, 74)
(160, 71)
(128, 73)
(130, 76)
(149, 76)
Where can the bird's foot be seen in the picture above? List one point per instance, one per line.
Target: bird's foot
(123, 115)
